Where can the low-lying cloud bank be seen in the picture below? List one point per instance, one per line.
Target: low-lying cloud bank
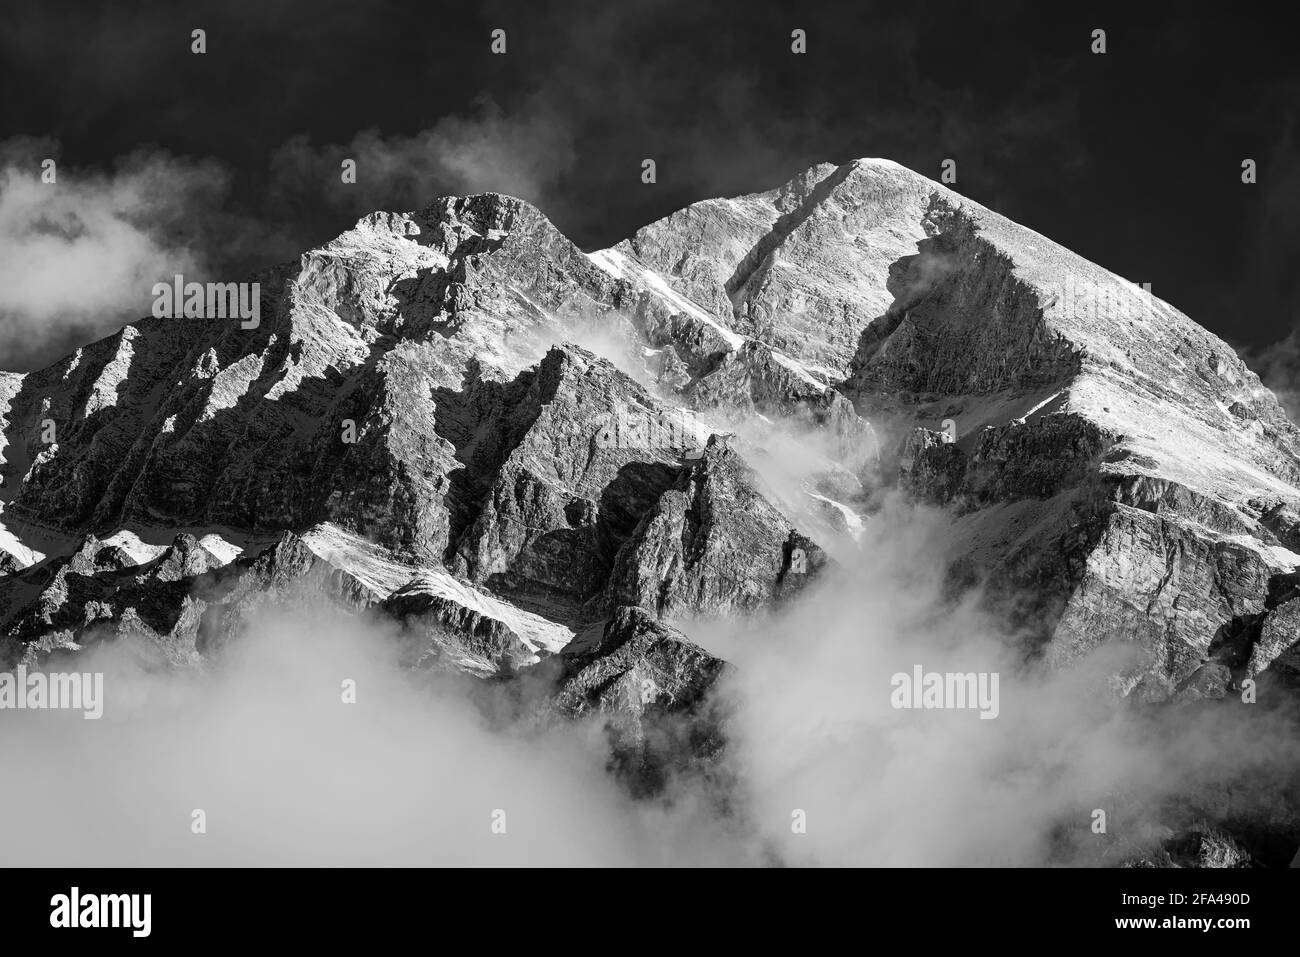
(816, 730)
(823, 769)
(286, 773)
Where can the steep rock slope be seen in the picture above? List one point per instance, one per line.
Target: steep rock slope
(1117, 470)
(354, 400)
(404, 436)
(410, 433)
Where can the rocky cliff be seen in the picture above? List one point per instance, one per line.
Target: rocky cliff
(524, 456)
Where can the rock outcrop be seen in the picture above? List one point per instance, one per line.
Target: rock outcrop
(519, 455)
(651, 684)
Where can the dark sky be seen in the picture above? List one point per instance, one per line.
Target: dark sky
(1131, 158)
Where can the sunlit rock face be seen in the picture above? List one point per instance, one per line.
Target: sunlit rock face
(522, 456)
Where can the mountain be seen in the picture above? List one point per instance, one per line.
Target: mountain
(1117, 468)
(534, 460)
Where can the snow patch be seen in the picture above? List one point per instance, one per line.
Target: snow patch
(623, 267)
(375, 568)
(224, 551)
(536, 632)
(131, 543)
(13, 545)
(851, 518)
(798, 369)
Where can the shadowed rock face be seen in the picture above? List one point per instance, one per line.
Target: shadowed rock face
(1117, 468)
(185, 602)
(651, 684)
(712, 542)
(545, 504)
(411, 433)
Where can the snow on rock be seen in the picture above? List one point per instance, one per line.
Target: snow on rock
(374, 567)
(621, 266)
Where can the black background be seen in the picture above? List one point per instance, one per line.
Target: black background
(809, 910)
(1132, 158)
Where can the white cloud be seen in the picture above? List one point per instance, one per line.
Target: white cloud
(78, 257)
(521, 154)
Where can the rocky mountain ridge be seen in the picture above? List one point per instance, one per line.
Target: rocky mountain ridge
(521, 455)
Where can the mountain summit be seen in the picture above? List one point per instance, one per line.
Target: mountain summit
(531, 457)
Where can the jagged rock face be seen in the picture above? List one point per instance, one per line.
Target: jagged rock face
(289, 575)
(1251, 645)
(321, 412)
(712, 542)
(353, 401)
(636, 665)
(652, 685)
(1136, 476)
(404, 425)
(529, 486)
(1197, 847)
(462, 636)
(411, 433)
(550, 493)
(1118, 449)
(962, 320)
(1113, 445)
(54, 604)
(931, 467)
(802, 268)
(184, 602)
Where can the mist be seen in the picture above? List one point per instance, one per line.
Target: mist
(412, 773)
(78, 256)
(814, 730)
(286, 773)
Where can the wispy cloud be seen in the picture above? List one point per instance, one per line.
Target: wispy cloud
(79, 255)
(484, 150)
